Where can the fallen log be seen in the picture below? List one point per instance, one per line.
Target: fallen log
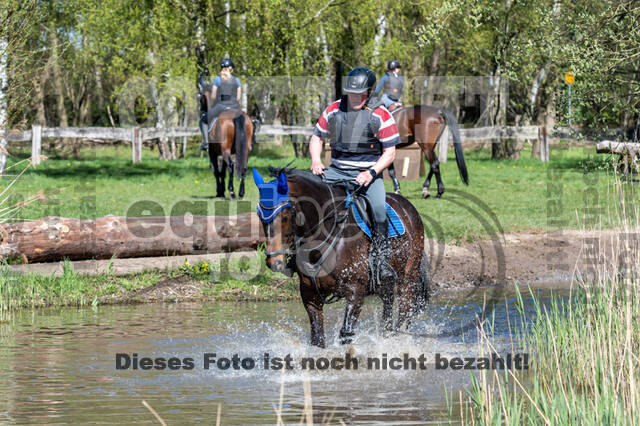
(612, 147)
(56, 238)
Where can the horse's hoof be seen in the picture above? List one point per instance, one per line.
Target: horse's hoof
(397, 191)
(425, 193)
(232, 195)
(439, 196)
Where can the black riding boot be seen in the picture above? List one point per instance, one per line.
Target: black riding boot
(381, 251)
(204, 129)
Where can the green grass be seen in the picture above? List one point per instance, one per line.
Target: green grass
(104, 181)
(243, 279)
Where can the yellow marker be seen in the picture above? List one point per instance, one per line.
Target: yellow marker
(569, 77)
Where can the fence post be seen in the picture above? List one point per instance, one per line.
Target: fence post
(136, 144)
(443, 146)
(36, 144)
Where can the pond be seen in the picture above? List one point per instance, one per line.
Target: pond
(59, 365)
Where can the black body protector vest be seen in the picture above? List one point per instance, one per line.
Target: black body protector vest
(393, 86)
(227, 92)
(353, 131)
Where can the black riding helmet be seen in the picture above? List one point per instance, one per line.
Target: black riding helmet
(392, 65)
(359, 80)
(226, 62)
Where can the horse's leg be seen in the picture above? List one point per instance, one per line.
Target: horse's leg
(313, 305)
(438, 179)
(213, 165)
(409, 290)
(392, 175)
(241, 192)
(431, 158)
(387, 297)
(230, 165)
(354, 299)
(223, 174)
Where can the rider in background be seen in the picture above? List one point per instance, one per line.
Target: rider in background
(226, 94)
(363, 136)
(392, 83)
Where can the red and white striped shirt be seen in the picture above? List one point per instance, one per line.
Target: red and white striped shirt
(383, 125)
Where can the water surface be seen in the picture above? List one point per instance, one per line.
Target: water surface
(58, 365)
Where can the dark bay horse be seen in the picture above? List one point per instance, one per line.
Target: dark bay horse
(232, 133)
(424, 124)
(310, 231)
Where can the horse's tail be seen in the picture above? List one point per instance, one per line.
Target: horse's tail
(240, 140)
(422, 297)
(452, 122)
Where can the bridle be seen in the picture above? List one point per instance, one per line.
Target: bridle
(268, 222)
(293, 242)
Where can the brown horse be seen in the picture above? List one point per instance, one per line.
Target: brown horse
(310, 231)
(232, 133)
(424, 124)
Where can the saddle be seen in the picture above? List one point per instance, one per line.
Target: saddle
(361, 211)
(213, 122)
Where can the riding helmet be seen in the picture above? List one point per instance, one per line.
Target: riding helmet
(226, 62)
(392, 65)
(359, 80)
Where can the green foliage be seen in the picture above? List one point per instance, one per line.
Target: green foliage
(532, 43)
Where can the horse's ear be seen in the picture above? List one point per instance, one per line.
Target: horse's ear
(257, 178)
(283, 186)
(273, 171)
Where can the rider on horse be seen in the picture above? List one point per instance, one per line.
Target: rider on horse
(392, 83)
(226, 93)
(362, 135)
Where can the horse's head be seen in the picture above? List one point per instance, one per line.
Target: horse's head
(204, 94)
(277, 216)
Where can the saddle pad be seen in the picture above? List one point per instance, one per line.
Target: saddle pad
(396, 227)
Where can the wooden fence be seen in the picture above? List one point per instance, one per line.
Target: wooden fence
(136, 135)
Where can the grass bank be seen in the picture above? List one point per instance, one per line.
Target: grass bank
(584, 351)
(104, 181)
(235, 280)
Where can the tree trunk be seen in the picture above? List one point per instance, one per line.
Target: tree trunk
(99, 90)
(381, 30)
(427, 98)
(38, 98)
(507, 149)
(57, 79)
(54, 238)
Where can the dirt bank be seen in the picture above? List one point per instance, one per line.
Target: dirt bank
(526, 257)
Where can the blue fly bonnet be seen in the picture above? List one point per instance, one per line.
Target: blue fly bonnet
(274, 196)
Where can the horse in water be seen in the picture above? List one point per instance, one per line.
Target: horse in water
(232, 132)
(311, 228)
(424, 124)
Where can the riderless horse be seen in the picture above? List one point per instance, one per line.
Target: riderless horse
(320, 231)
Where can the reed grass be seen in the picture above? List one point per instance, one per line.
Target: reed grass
(585, 351)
